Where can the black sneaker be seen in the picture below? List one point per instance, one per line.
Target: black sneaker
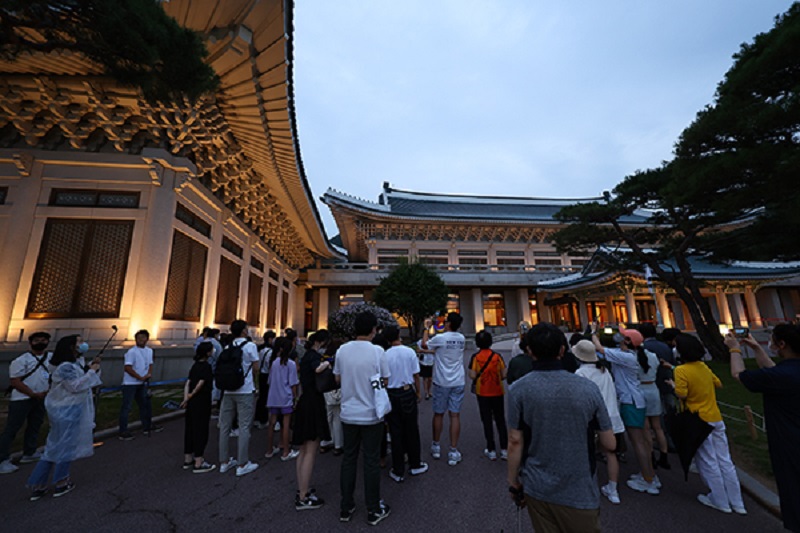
(38, 494)
(308, 503)
(126, 435)
(345, 516)
(153, 429)
(375, 518)
(203, 468)
(60, 491)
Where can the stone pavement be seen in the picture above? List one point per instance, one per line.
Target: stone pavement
(140, 486)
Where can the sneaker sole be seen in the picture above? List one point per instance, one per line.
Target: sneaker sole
(379, 519)
(348, 517)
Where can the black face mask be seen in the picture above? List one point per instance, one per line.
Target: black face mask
(39, 346)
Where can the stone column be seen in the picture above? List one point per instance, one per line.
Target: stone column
(663, 309)
(741, 316)
(582, 313)
(212, 272)
(752, 309)
(542, 309)
(677, 310)
(524, 306)
(630, 305)
(154, 257)
(323, 312)
(477, 305)
(24, 197)
(775, 301)
(244, 281)
(722, 307)
(610, 312)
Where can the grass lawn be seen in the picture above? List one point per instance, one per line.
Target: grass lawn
(107, 415)
(752, 455)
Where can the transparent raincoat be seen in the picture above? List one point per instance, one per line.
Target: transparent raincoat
(71, 413)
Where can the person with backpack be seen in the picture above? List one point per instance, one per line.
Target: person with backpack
(29, 385)
(488, 370)
(236, 366)
(197, 402)
(264, 352)
(283, 381)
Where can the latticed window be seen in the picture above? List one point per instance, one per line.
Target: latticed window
(254, 299)
(186, 279)
(81, 269)
(227, 291)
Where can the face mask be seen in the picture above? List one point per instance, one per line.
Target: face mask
(39, 346)
(83, 347)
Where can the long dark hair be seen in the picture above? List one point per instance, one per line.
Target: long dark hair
(281, 349)
(642, 358)
(65, 350)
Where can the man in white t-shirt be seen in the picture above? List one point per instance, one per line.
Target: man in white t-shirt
(404, 393)
(135, 378)
(239, 404)
(30, 381)
(448, 383)
(356, 363)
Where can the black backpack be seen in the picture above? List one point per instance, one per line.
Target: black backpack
(229, 374)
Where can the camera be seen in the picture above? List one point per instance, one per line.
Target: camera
(741, 332)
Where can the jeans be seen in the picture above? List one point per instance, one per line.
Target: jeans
(404, 428)
(138, 393)
(243, 406)
(41, 473)
(354, 436)
(493, 407)
(19, 411)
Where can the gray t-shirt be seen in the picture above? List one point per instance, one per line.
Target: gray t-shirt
(356, 362)
(559, 408)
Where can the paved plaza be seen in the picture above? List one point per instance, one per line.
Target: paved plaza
(140, 486)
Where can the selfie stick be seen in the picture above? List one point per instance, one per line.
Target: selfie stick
(103, 349)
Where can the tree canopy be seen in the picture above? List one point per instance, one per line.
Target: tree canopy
(729, 191)
(414, 292)
(135, 41)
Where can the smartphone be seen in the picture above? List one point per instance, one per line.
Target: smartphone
(741, 332)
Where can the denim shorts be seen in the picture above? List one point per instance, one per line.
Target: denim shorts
(447, 399)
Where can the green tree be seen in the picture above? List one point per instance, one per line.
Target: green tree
(135, 41)
(729, 191)
(413, 291)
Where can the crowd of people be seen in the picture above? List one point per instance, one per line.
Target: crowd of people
(353, 398)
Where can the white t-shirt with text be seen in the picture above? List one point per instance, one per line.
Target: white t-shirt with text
(448, 369)
(356, 362)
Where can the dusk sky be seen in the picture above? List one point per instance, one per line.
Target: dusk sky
(505, 97)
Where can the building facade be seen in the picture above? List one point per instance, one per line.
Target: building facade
(495, 255)
(170, 217)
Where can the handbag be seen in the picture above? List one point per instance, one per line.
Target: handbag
(325, 381)
(472, 387)
(382, 404)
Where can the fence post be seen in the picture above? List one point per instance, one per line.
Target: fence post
(751, 425)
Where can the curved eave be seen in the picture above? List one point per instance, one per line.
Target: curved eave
(251, 48)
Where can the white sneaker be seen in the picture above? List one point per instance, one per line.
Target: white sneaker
(291, 455)
(453, 457)
(277, 426)
(640, 485)
(35, 456)
(7, 467)
(270, 455)
(504, 455)
(611, 494)
(436, 450)
(638, 475)
(491, 455)
(423, 467)
(739, 510)
(224, 467)
(246, 469)
(705, 500)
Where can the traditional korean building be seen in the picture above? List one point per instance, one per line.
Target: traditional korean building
(496, 256)
(115, 211)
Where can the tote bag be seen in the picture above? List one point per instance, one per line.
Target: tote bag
(382, 404)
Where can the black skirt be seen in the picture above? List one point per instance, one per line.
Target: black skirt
(310, 420)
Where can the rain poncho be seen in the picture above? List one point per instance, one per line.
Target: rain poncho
(71, 413)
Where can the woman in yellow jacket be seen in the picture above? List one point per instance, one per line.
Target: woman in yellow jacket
(695, 383)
